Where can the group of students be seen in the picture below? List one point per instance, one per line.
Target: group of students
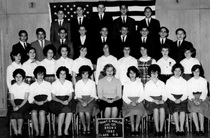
(139, 78)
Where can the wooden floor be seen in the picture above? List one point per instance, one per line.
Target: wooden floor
(4, 133)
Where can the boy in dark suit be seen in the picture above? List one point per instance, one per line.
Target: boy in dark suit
(62, 33)
(181, 44)
(163, 39)
(100, 19)
(124, 20)
(152, 24)
(22, 45)
(79, 20)
(55, 26)
(40, 43)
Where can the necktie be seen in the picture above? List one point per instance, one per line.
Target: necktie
(144, 40)
(123, 38)
(124, 20)
(25, 45)
(60, 23)
(179, 43)
(147, 22)
(80, 21)
(42, 44)
(101, 17)
(103, 39)
(162, 41)
(62, 41)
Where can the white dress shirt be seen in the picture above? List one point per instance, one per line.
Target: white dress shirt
(188, 64)
(40, 89)
(49, 65)
(19, 91)
(133, 89)
(59, 89)
(197, 85)
(166, 65)
(29, 67)
(77, 63)
(66, 62)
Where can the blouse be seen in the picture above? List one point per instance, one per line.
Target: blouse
(177, 86)
(40, 89)
(122, 66)
(188, 64)
(49, 65)
(60, 89)
(10, 69)
(109, 89)
(166, 65)
(88, 88)
(101, 62)
(67, 62)
(29, 67)
(19, 91)
(77, 63)
(133, 89)
(155, 89)
(197, 85)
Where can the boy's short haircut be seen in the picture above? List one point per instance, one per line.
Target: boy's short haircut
(62, 28)
(22, 31)
(147, 8)
(180, 29)
(61, 9)
(40, 30)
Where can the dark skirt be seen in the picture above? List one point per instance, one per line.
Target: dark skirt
(57, 107)
(129, 110)
(44, 107)
(150, 106)
(103, 104)
(203, 107)
(164, 78)
(91, 108)
(21, 113)
(187, 76)
(50, 78)
(29, 80)
(181, 107)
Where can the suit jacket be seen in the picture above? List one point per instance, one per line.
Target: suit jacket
(96, 24)
(154, 26)
(158, 47)
(149, 44)
(57, 44)
(97, 45)
(117, 24)
(19, 47)
(54, 31)
(39, 49)
(179, 50)
(75, 27)
(78, 43)
(118, 46)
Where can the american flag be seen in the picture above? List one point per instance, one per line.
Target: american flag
(136, 8)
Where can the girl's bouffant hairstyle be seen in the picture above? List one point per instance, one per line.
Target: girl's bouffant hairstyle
(108, 66)
(134, 69)
(177, 65)
(39, 70)
(19, 71)
(62, 68)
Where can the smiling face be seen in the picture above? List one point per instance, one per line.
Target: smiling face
(188, 54)
(40, 76)
(154, 74)
(148, 13)
(32, 54)
(165, 52)
(62, 34)
(124, 31)
(60, 15)
(104, 32)
(163, 33)
(19, 78)
(17, 58)
(79, 11)
(144, 32)
(62, 75)
(41, 35)
(180, 35)
(132, 75)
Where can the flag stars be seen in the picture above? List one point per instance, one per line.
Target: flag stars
(61, 6)
(68, 19)
(54, 6)
(67, 5)
(71, 9)
(87, 5)
(74, 5)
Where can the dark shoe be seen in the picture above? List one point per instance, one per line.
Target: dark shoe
(84, 132)
(137, 133)
(161, 134)
(60, 136)
(88, 132)
(196, 133)
(201, 133)
(178, 133)
(156, 134)
(182, 133)
(133, 133)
